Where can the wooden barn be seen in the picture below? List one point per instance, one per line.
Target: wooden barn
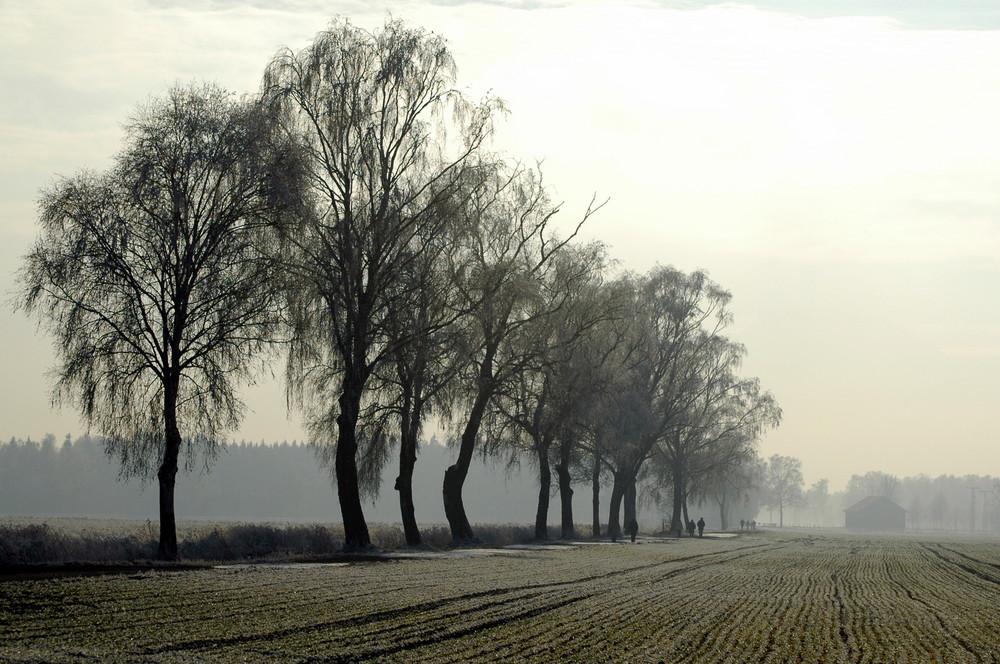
(875, 513)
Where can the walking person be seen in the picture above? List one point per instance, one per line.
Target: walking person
(701, 526)
(633, 529)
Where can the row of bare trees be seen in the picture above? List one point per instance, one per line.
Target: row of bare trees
(350, 215)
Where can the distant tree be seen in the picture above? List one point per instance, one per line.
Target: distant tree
(718, 430)
(916, 512)
(939, 510)
(873, 483)
(728, 484)
(818, 497)
(783, 482)
(156, 281)
(387, 136)
(670, 396)
(887, 486)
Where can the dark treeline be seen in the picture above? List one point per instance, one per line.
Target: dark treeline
(75, 478)
(351, 215)
(248, 482)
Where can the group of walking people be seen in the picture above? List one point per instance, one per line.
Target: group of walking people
(632, 529)
(691, 525)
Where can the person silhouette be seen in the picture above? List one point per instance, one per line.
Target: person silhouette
(701, 526)
(633, 529)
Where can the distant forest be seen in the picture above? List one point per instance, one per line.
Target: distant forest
(942, 503)
(257, 482)
(248, 481)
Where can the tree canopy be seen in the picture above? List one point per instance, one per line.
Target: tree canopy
(352, 211)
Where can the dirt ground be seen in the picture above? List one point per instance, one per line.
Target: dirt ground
(757, 598)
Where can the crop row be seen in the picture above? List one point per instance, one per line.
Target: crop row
(748, 599)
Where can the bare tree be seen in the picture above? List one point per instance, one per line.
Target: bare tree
(536, 406)
(817, 497)
(728, 484)
(721, 421)
(426, 331)
(872, 483)
(587, 372)
(602, 363)
(783, 484)
(387, 138)
(155, 281)
(939, 510)
(506, 251)
(676, 323)
(916, 512)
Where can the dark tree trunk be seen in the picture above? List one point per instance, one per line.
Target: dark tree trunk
(454, 476)
(724, 512)
(407, 509)
(614, 511)
(687, 518)
(595, 480)
(544, 490)
(356, 536)
(676, 525)
(630, 500)
(409, 432)
(454, 509)
(568, 530)
(167, 477)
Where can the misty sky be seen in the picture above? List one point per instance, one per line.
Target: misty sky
(835, 165)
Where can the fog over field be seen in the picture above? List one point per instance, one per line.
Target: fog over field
(833, 166)
(281, 483)
(257, 482)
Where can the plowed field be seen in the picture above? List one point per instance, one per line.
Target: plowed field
(767, 598)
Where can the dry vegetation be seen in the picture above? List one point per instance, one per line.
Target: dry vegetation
(777, 598)
(61, 541)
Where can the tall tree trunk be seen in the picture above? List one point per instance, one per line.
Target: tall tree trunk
(676, 525)
(409, 433)
(568, 530)
(631, 512)
(356, 536)
(544, 490)
(167, 474)
(614, 510)
(454, 476)
(724, 512)
(595, 480)
(687, 517)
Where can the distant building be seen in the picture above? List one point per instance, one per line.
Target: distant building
(875, 513)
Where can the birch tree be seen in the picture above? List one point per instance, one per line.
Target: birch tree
(157, 281)
(387, 138)
(508, 247)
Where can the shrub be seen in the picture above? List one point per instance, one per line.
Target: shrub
(38, 543)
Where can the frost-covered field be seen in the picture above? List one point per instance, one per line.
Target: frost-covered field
(777, 598)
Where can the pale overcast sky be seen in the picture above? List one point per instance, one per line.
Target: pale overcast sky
(836, 165)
